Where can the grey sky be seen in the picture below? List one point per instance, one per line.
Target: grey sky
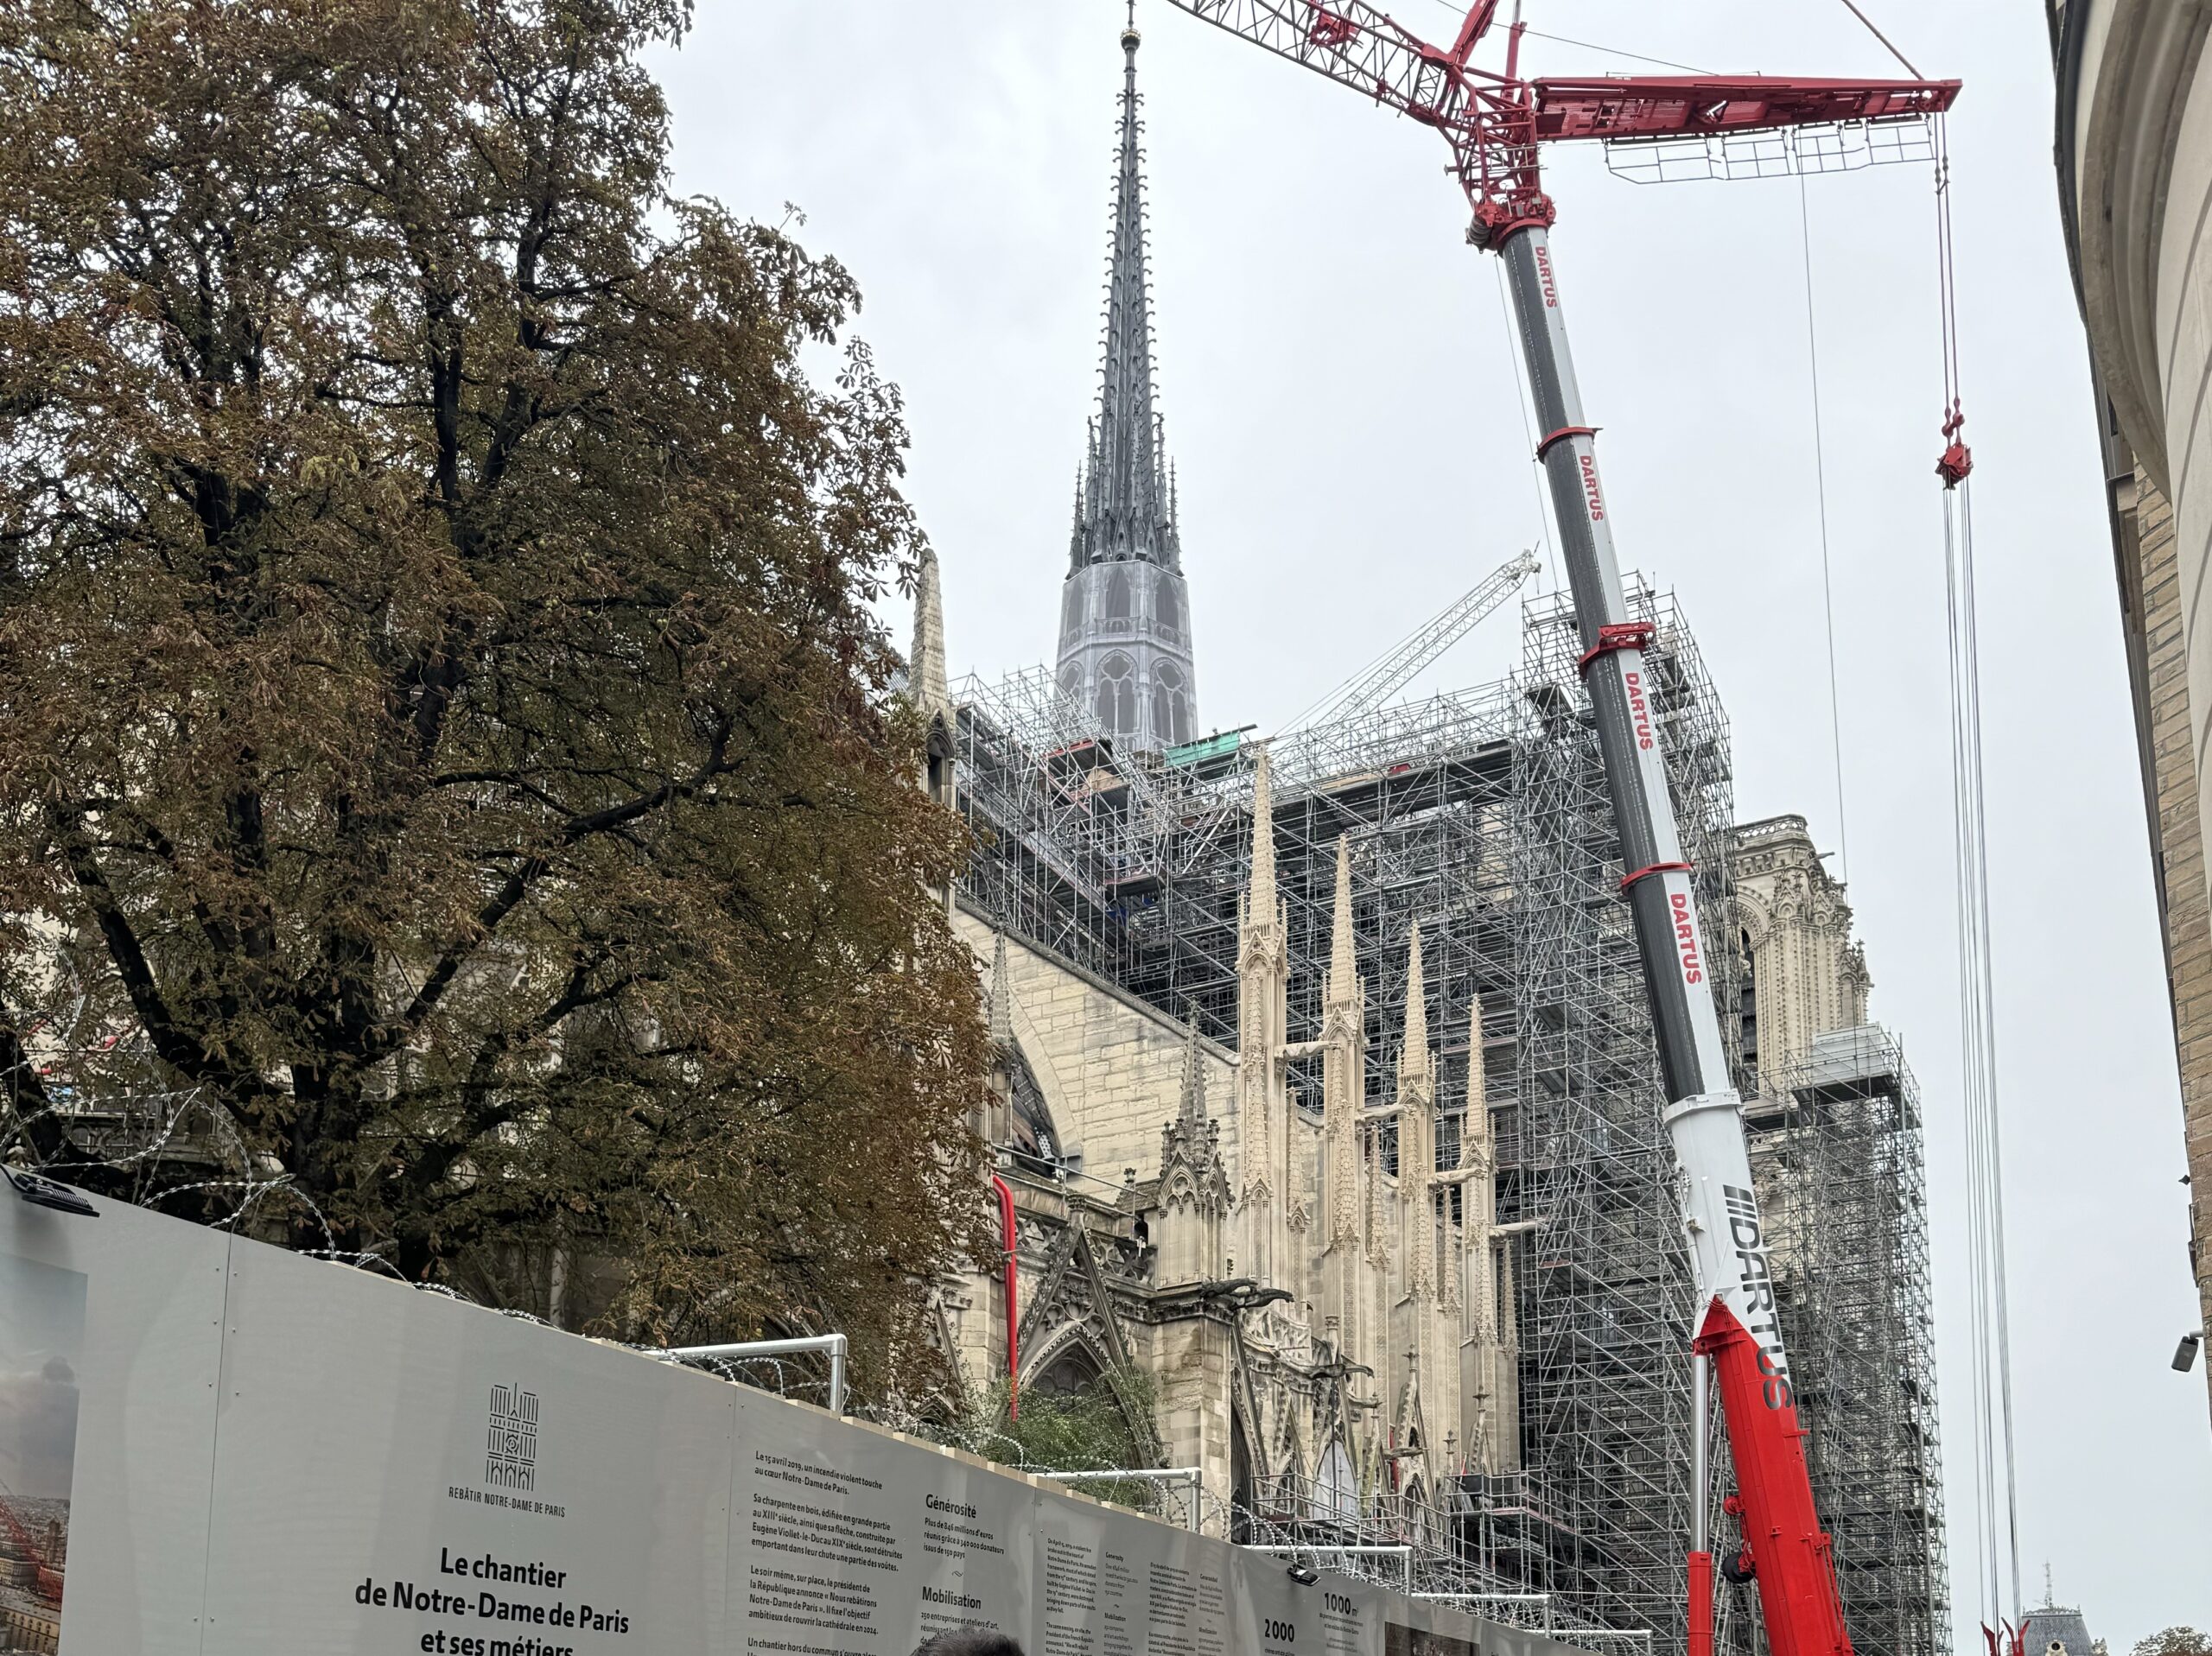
(1340, 400)
(41, 1341)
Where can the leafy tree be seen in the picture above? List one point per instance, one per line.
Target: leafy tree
(1077, 1430)
(443, 737)
(2174, 1641)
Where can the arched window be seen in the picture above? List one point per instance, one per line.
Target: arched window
(1070, 611)
(1747, 1011)
(1166, 609)
(1336, 1488)
(1071, 682)
(1171, 704)
(1074, 1372)
(1117, 596)
(1117, 694)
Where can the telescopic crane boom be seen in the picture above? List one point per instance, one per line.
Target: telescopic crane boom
(1495, 123)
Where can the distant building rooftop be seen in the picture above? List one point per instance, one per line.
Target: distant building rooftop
(2052, 1629)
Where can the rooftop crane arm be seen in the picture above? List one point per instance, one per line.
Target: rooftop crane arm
(1381, 678)
(1495, 123)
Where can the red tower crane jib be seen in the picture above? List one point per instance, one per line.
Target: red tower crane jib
(1661, 106)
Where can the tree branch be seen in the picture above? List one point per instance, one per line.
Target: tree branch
(517, 885)
(171, 1043)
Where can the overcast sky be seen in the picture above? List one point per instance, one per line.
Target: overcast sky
(1340, 397)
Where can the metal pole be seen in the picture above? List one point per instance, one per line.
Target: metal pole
(1701, 1559)
(1706, 1120)
(1700, 1454)
(741, 1349)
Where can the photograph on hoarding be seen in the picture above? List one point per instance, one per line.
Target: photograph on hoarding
(41, 1345)
(1400, 1640)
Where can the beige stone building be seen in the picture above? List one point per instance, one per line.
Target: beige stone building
(2134, 150)
(1327, 1333)
(1800, 975)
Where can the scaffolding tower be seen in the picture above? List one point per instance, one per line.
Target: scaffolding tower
(1836, 1148)
(1606, 1296)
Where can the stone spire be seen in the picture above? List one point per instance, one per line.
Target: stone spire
(1416, 1055)
(1125, 510)
(1416, 1112)
(1125, 652)
(1344, 959)
(1344, 1070)
(1488, 1354)
(1474, 1127)
(1001, 994)
(1262, 1026)
(1194, 1081)
(925, 672)
(1195, 1197)
(1260, 893)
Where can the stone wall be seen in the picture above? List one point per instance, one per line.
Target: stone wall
(1806, 976)
(1110, 1067)
(2170, 739)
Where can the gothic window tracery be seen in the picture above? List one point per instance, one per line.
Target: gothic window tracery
(1336, 1487)
(1117, 694)
(1171, 706)
(1166, 609)
(1071, 611)
(1117, 599)
(1747, 1007)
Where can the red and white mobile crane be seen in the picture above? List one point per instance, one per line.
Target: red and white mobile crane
(1494, 122)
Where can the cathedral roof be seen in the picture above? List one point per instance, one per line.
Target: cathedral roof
(1125, 504)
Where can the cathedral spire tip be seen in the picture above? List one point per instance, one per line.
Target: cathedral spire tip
(1125, 618)
(1416, 1004)
(1343, 960)
(1001, 993)
(1127, 514)
(1262, 898)
(1194, 1076)
(926, 678)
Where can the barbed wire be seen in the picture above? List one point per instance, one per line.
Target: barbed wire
(165, 1118)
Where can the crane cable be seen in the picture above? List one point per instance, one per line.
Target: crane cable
(1998, 1560)
(1820, 486)
(1529, 429)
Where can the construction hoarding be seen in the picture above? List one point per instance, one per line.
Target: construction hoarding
(212, 1447)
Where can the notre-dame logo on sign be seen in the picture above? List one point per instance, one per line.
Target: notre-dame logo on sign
(511, 1453)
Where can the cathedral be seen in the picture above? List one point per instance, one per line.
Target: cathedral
(1324, 1096)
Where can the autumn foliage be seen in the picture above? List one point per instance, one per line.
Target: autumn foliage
(443, 736)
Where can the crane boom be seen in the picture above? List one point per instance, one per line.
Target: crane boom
(1375, 684)
(1495, 123)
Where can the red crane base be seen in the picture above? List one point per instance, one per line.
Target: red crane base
(1791, 1555)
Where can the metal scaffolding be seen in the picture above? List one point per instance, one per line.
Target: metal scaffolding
(1485, 816)
(1837, 1151)
(1131, 866)
(1606, 1297)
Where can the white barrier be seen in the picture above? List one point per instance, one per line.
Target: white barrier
(212, 1447)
